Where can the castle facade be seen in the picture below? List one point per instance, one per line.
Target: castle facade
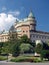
(27, 26)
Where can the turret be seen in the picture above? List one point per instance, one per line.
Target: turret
(32, 21)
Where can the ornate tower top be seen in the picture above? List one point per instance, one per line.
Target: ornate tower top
(31, 14)
(31, 19)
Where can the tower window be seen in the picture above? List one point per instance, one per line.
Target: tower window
(23, 31)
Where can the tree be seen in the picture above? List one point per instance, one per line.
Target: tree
(45, 51)
(45, 46)
(12, 35)
(29, 44)
(14, 42)
(25, 39)
(1, 45)
(26, 48)
(15, 49)
(45, 54)
(39, 48)
(5, 49)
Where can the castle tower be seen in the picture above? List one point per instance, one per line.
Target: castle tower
(32, 21)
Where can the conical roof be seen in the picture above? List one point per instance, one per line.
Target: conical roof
(31, 14)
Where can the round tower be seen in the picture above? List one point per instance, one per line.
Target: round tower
(32, 21)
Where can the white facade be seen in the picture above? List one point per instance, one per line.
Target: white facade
(39, 36)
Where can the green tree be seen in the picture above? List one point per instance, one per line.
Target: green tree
(1, 45)
(5, 49)
(26, 48)
(25, 39)
(45, 54)
(45, 51)
(14, 42)
(15, 49)
(45, 46)
(39, 48)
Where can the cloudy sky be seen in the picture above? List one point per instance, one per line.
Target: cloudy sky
(10, 10)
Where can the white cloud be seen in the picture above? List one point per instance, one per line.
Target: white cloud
(6, 20)
(15, 13)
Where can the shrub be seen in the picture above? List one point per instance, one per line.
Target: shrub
(26, 59)
(3, 58)
(16, 60)
(22, 59)
(36, 60)
(45, 54)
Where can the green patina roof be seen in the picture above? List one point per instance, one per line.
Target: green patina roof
(31, 14)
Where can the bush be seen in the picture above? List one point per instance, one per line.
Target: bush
(22, 60)
(45, 54)
(15, 60)
(3, 58)
(26, 59)
(36, 60)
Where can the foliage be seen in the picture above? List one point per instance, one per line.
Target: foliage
(22, 59)
(45, 54)
(15, 49)
(26, 59)
(12, 37)
(25, 39)
(45, 51)
(3, 58)
(38, 48)
(26, 48)
(45, 46)
(1, 45)
(37, 60)
(5, 48)
(14, 42)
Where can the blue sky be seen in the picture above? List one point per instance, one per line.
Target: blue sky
(21, 8)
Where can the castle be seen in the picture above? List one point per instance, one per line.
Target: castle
(27, 26)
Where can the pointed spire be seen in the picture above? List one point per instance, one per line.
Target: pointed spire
(31, 14)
